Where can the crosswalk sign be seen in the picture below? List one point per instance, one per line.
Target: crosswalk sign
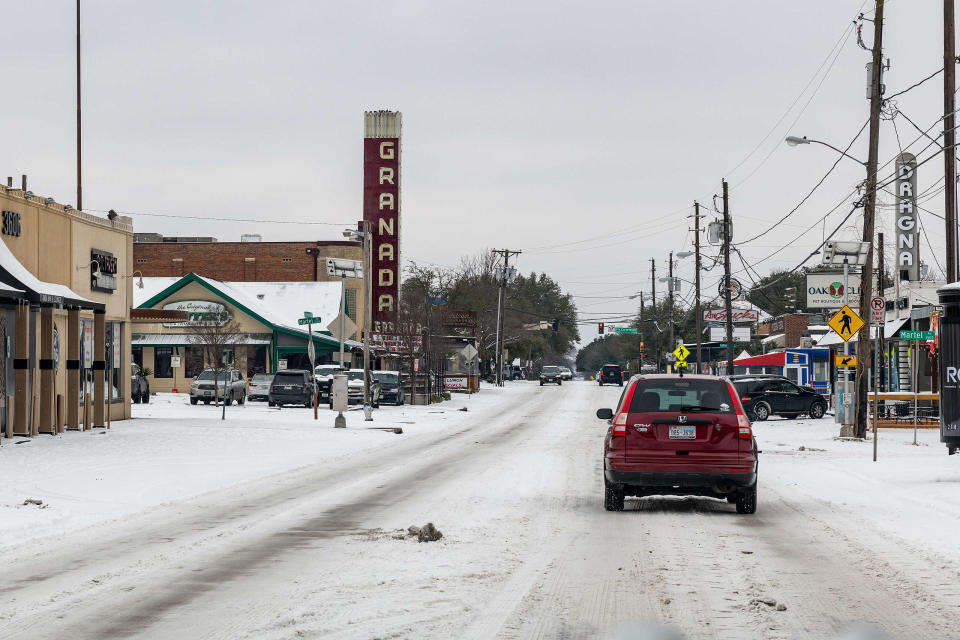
(681, 352)
(842, 360)
(846, 323)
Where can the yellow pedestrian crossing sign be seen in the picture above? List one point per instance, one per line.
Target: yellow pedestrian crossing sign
(846, 323)
(842, 360)
(681, 352)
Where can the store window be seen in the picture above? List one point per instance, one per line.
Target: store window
(161, 362)
(114, 344)
(194, 361)
(256, 360)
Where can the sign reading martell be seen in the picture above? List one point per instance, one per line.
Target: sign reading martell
(381, 208)
(907, 334)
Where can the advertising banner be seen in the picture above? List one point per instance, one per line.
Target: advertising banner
(740, 334)
(739, 315)
(825, 290)
(949, 343)
(455, 382)
(87, 344)
(381, 209)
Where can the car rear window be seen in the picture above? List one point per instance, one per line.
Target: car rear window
(745, 387)
(551, 370)
(613, 369)
(660, 396)
(288, 378)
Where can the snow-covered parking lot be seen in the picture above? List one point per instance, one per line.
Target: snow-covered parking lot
(271, 525)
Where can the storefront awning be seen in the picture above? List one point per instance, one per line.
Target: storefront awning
(766, 360)
(188, 340)
(14, 274)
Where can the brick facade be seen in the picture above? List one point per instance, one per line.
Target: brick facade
(241, 261)
(793, 327)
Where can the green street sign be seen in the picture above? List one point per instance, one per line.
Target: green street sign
(632, 330)
(310, 320)
(907, 334)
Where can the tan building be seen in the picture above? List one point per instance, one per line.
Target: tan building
(64, 315)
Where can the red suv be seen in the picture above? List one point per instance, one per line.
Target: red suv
(679, 435)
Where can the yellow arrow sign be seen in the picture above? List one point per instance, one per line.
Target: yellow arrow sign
(846, 323)
(681, 352)
(845, 361)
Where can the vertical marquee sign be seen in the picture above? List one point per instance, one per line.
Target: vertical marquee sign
(381, 208)
(908, 246)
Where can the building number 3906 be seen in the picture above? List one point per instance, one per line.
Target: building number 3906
(11, 223)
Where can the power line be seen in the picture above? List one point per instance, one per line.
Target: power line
(219, 219)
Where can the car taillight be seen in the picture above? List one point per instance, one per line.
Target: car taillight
(745, 398)
(620, 425)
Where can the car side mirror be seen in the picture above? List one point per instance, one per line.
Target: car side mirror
(605, 414)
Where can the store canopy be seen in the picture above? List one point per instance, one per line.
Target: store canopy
(15, 275)
(766, 360)
(186, 340)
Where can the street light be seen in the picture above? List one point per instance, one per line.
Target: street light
(793, 141)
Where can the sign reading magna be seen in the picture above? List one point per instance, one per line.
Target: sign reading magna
(381, 208)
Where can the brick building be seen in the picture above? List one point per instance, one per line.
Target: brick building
(250, 261)
(792, 327)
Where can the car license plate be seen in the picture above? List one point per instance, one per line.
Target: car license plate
(683, 432)
(208, 393)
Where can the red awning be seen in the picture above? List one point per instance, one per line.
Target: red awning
(766, 360)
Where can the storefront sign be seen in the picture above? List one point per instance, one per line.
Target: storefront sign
(87, 345)
(116, 345)
(740, 334)
(908, 246)
(381, 208)
(104, 277)
(200, 313)
(825, 290)
(739, 315)
(394, 344)
(458, 382)
(11, 223)
(175, 362)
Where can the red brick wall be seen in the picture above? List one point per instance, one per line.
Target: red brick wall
(228, 261)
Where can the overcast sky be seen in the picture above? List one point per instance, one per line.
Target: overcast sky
(526, 125)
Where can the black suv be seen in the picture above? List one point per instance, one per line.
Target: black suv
(611, 374)
(292, 386)
(766, 396)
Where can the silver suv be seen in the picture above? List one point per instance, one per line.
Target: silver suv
(231, 385)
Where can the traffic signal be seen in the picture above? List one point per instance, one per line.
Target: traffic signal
(599, 327)
(555, 324)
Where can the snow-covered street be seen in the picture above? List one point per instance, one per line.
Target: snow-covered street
(269, 525)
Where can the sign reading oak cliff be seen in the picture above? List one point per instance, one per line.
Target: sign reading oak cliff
(381, 208)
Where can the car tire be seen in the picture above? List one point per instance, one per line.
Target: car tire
(600, 383)
(193, 401)
(747, 500)
(817, 410)
(206, 402)
(613, 497)
(541, 383)
(762, 410)
(621, 383)
(308, 404)
(560, 382)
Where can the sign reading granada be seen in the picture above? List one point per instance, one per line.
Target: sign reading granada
(739, 315)
(381, 208)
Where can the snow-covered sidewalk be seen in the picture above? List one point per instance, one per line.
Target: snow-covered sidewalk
(172, 450)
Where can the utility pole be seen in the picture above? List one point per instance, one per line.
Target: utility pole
(866, 281)
(501, 302)
(696, 244)
(367, 227)
(949, 138)
(653, 286)
(79, 172)
(877, 350)
(728, 302)
(670, 291)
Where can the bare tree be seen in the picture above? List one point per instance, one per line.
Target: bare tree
(216, 334)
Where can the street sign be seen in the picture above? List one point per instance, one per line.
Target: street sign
(670, 357)
(845, 322)
(469, 352)
(907, 334)
(349, 327)
(877, 306)
(631, 330)
(841, 360)
(681, 352)
(308, 320)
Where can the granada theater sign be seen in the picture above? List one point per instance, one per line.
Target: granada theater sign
(381, 208)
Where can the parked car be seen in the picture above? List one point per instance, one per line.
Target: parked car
(292, 386)
(679, 435)
(610, 374)
(258, 388)
(550, 374)
(566, 374)
(323, 373)
(355, 389)
(391, 386)
(774, 395)
(139, 385)
(230, 386)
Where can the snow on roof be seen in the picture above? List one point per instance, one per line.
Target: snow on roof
(279, 303)
(23, 278)
(778, 337)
